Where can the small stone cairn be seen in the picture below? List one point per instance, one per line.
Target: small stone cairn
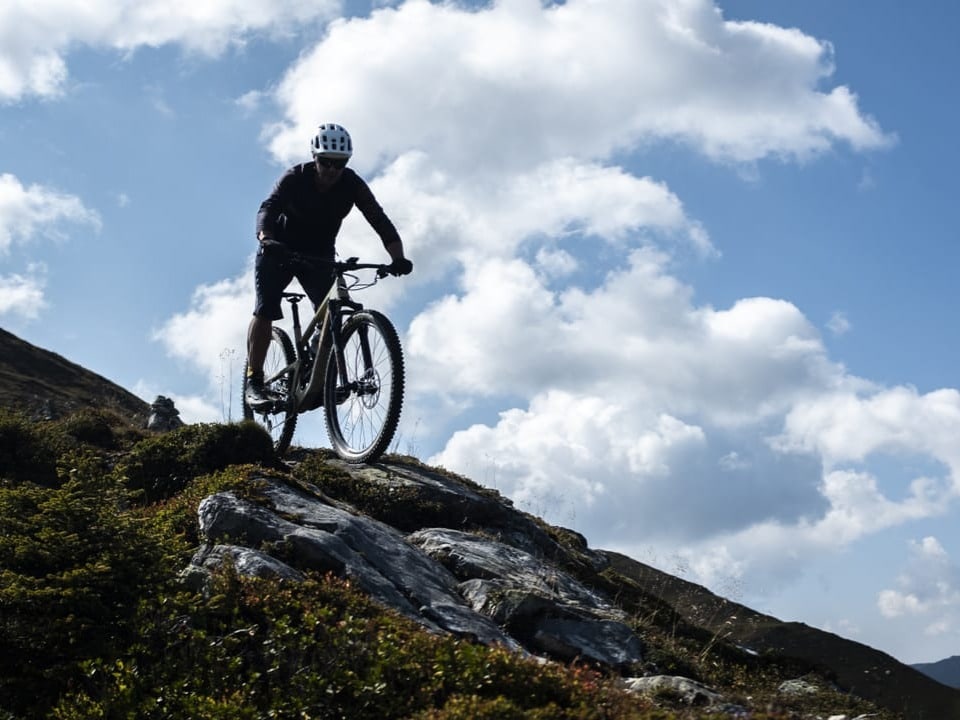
(163, 415)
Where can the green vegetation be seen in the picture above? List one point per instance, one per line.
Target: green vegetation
(26, 455)
(162, 466)
(97, 519)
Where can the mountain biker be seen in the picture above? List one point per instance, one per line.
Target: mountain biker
(304, 213)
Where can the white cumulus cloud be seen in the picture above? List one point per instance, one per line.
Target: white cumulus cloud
(22, 294)
(36, 38)
(213, 325)
(927, 589)
(845, 427)
(28, 212)
(518, 82)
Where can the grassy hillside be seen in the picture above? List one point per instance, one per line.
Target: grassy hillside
(98, 518)
(42, 384)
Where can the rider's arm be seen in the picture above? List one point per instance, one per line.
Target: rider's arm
(268, 217)
(382, 225)
(396, 250)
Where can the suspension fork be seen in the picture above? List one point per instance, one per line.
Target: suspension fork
(335, 317)
(362, 331)
(336, 314)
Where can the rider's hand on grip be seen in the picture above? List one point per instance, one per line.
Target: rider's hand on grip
(400, 266)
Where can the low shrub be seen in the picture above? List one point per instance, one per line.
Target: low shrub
(28, 453)
(320, 649)
(102, 429)
(158, 468)
(73, 569)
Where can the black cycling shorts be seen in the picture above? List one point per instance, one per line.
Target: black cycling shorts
(272, 275)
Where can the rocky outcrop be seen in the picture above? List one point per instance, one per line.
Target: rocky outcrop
(460, 505)
(446, 580)
(468, 563)
(545, 609)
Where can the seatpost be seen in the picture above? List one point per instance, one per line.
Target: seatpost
(295, 310)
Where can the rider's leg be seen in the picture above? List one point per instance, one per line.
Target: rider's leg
(258, 340)
(256, 394)
(270, 280)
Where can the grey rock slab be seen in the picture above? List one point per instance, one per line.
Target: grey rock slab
(470, 557)
(251, 563)
(468, 507)
(543, 607)
(690, 691)
(326, 538)
(607, 641)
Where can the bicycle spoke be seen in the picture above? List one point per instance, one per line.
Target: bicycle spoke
(361, 425)
(279, 421)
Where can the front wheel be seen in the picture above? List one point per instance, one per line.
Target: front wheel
(280, 420)
(362, 414)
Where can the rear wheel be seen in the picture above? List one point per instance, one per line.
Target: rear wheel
(280, 420)
(362, 415)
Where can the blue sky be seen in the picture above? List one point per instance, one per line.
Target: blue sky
(683, 268)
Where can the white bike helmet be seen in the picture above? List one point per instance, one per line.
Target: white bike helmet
(332, 141)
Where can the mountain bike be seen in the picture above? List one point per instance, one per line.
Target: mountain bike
(347, 359)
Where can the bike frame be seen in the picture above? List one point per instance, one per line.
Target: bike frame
(328, 319)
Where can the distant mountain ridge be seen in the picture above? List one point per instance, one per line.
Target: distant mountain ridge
(43, 385)
(36, 382)
(944, 671)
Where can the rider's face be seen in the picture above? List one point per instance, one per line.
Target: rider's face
(329, 170)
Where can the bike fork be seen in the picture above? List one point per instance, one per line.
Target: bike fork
(337, 338)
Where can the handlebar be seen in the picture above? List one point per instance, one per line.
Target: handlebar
(338, 267)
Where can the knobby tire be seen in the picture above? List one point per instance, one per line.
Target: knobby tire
(362, 424)
(280, 424)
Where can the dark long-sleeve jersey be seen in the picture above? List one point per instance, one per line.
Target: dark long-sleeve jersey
(298, 214)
